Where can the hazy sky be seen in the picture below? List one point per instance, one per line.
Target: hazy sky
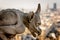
(27, 4)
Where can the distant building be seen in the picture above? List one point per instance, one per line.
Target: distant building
(52, 9)
(55, 6)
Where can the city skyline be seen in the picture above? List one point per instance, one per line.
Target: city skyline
(28, 4)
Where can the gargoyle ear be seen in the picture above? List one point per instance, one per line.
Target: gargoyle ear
(38, 9)
(31, 14)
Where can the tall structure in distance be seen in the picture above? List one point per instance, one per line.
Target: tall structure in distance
(48, 9)
(54, 6)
